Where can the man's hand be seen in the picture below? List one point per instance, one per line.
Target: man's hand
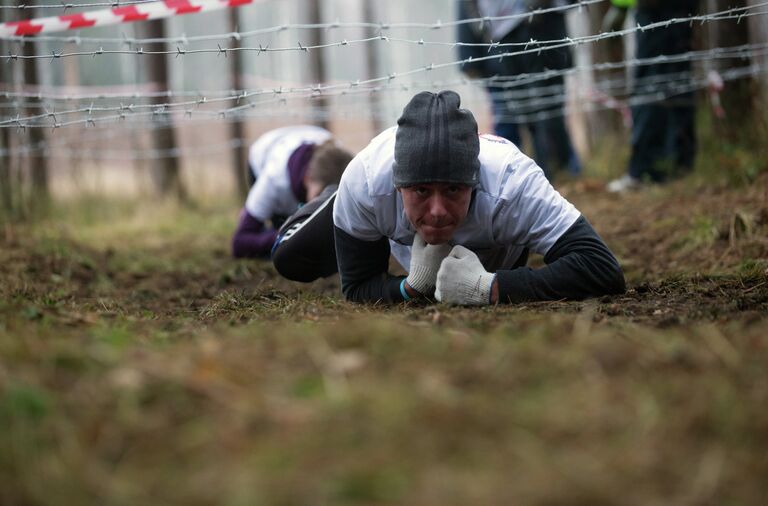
(425, 262)
(462, 279)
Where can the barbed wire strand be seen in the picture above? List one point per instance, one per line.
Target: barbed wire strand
(382, 26)
(737, 13)
(211, 149)
(607, 85)
(166, 118)
(745, 51)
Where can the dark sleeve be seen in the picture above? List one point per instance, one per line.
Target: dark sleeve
(363, 267)
(579, 265)
(252, 239)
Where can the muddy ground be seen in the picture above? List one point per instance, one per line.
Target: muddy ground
(139, 363)
(689, 254)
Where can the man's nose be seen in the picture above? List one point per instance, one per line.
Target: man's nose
(437, 206)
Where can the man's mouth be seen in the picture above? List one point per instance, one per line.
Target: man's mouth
(436, 229)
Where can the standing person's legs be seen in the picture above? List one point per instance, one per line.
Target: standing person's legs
(304, 249)
(565, 157)
(557, 149)
(681, 141)
(552, 146)
(649, 131)
(657, 128)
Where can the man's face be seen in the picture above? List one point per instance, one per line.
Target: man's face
(436, 209)
(314, 188)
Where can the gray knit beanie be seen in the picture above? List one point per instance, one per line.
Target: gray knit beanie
(436, 142)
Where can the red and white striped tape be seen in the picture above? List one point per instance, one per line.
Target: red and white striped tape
(117, 15)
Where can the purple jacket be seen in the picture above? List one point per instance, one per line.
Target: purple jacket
(252, 238)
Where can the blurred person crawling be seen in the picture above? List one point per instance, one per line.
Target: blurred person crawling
(459, 211)
(288, 167)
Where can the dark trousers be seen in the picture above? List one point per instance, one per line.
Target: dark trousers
(663, 141)
(663, 132)
(305, 249)
(552, 146)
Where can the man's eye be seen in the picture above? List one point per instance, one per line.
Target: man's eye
(452, 190)
(420, 191)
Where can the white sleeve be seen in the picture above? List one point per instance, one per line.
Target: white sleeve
(353, 210)
(261, 199)
(533, 214)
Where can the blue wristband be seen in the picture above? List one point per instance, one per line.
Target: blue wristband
(490, 295)
(403, 292)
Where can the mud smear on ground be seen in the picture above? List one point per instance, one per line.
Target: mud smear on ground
(689, 255)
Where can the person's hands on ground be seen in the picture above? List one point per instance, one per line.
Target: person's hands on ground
(462, 279)
(425, 262)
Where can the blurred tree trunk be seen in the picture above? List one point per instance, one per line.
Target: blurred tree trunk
(237, 128)
(737, 96)
(605, 121)
(6, 204)
(72, 81)
(38, 162)
(6, 160)
(166, 170)
(317, 64)
(372, 62)
(10, 166)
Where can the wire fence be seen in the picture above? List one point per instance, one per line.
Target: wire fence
(529, 47)
(147, 108)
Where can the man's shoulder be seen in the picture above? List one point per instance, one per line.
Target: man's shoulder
(280, 143)
(497, 151)
(503, 166)
(372, 167)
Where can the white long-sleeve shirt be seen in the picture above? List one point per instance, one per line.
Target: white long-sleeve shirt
(514, 206)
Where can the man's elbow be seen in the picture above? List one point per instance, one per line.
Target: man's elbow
(350, 293)
(615, 282)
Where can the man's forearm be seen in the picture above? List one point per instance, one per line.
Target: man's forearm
(579, 266)
(363, 267)
(251, 238)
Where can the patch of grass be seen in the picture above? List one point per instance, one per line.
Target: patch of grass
(25, 404)
(702, 233)
(140, 364)
(718, 160)
(737, 163)
(389, 409)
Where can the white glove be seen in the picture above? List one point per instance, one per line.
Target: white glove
(462, 279)
(425, 262)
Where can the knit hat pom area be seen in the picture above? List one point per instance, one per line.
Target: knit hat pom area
(436, 142)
